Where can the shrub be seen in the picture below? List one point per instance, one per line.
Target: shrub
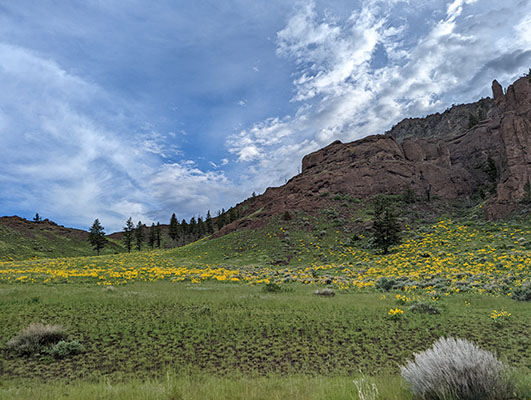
(523, 293)
(385, 283)
(324, 292)
(457, 369)
(425, 308)
(35, 338)
(64, 349)
(272, 288)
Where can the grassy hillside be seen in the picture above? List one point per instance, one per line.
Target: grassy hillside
(237, 317)
(21, 239)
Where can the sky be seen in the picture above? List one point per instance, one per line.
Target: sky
(134, 108)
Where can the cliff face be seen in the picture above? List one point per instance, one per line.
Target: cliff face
(437, 155)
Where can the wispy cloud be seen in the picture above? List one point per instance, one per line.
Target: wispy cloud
(359, 75)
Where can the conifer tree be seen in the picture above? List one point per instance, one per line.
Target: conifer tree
(192, 228)
(174, 227)
(208, 223)
(220, 222)
(157, 235)
(139, 235)
(37, 218)
(385, 226)
(152, 235)
(97, 236)
(201, 230)
(127, 238)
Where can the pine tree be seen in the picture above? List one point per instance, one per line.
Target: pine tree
(192, 228)
(174, 227)
(127, 238)
(152, 235)
(139, 235)
(208, 224)
(385, 226)
(220, 222)
(200, 227)
(185, 230)
(37, 218)
(157, 235)
(97, 236)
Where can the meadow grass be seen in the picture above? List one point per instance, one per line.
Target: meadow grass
(196, 322)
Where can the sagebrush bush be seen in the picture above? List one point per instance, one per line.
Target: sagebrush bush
(523, 293)
(459, 370)
(426, 308)
(324, 292)
(35, 338)
(64, 349)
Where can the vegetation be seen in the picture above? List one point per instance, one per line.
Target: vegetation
(457, 369)
(127, 238)
(97, 236)
(386, 228)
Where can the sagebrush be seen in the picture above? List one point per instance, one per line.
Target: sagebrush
(36, 337)
(459, 370)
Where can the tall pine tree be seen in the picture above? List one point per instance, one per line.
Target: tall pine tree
(208, 223)
(174, 228)
(139, 235)
(129, 230)
(152, 235)
(97, 236)
(157, 235)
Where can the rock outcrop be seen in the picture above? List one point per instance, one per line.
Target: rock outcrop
(439, 155)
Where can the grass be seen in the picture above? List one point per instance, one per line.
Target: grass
(196, 323)
(15, 245)
(141, 329)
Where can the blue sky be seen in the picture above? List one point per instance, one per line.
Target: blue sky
(111, 109)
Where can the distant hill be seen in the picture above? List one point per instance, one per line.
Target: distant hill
(22, 239)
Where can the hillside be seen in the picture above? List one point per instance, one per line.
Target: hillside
(22, 239)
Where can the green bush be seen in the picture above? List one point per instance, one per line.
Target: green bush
(523, 293)
(37, 337)
(272, 288)
(425, 308)
(64, 349)
(385, 283)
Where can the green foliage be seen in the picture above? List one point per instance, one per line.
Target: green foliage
(522, 293)
(64, 349)
(385, 226)
(152, 235)
(174, 227)
(97, 236)
(272, 287)
(425, 308)
(35, 339)
(385, 283)
(127, 238)
(37, 218)
(139, 235)
(491, 170)
(409, 196)
(527, 194)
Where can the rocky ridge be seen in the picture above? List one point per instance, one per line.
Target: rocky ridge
(437, 156)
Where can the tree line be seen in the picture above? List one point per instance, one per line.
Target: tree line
(180, 233)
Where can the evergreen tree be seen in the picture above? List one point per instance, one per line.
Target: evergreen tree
(201, 230)
(152, 235)
(220, 222)
(174, 227)
(139, 235)
(37, 218)
(127, 238)
(208, 224)
(97, 236)
(185, 230)
(385, 225)
(192, 228)
(157, 235)
(232, 215)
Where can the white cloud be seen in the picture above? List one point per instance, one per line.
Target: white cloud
(70, 161)
(451, 58)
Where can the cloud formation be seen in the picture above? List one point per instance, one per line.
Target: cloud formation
(359, 75)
